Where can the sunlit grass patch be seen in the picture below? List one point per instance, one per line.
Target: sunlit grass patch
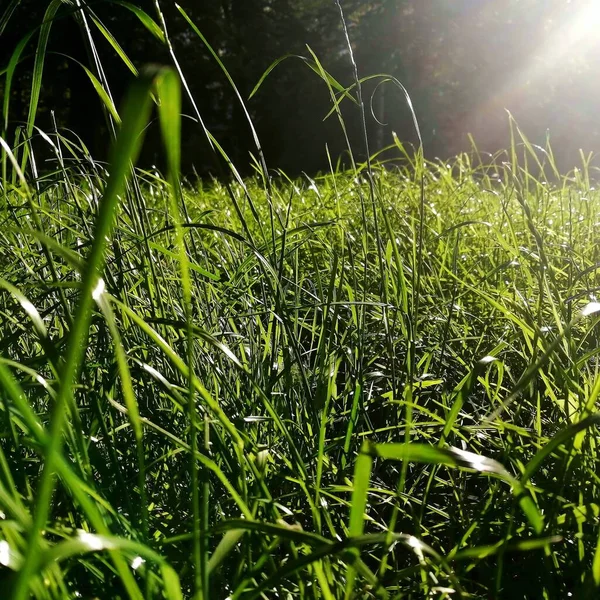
(295, 351)
(379, 382)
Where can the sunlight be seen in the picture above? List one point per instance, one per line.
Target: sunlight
(568, 43)
(98, 290)
(581, 30)
(572, 37)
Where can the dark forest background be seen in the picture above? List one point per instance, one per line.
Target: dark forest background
(463, 62)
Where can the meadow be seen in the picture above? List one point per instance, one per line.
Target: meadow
(380, 381)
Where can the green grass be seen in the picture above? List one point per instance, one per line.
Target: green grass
(379, 382)
(271, 360)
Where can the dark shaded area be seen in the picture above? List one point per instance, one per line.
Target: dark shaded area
(464, 62)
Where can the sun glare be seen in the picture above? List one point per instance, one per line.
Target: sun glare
(584, 25)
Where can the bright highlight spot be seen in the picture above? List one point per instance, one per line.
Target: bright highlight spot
(93, 542)
(582, 28)
(590, 309)
(137, 562)
(98, 290)
(589, 15)
(30, 309)
(417, 546)
(4, 553)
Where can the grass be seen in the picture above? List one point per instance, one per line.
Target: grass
(379, 382)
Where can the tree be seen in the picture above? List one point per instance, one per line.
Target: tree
(463, 63)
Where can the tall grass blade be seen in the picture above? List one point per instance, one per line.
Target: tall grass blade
(136, 114)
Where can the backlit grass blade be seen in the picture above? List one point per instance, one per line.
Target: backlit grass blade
(312, 65)
(215, 148)
(169, 110)
(227, 544)
(102, 94)
(143, 17)
(10, 73)
(64, 469)
(70, 256)
(454, 457)
(7, 14)
(89, 542)
(136, 114)
(515, 545)
(27, 306)
(233, 86)
(360, 486)
(451, 457)
(558, 440)
(38, 67)
(110, 38)
(462, 394)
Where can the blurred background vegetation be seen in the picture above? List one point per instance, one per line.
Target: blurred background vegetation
(463, 62)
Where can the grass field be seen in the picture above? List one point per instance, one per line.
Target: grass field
(380, 382)
(334, 389)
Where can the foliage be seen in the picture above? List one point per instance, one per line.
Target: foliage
(375, 382)
(464, 62)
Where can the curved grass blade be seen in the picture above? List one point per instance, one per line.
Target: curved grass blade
(86, 542)
(69, 256)
(231, 83)
(204, 460)
(451, 457)
(313, 66)
(348, 550)
(27, 306)
(182, 367)
(591, 309)
(77, 488)
(110, 38)
(102, 94)
(558, 440)
(7, 14)
(464, 391)
(513, 545)
(454, 457)
(10, 72)
(144, 18)
(38, 69)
